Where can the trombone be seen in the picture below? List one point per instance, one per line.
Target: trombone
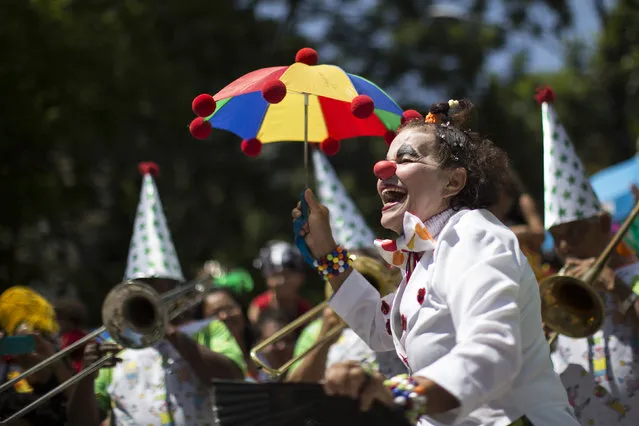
(572, 306)
(385, 280)
(134, 315)
(288, 329)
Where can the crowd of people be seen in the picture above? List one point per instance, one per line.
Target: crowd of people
(444, 322)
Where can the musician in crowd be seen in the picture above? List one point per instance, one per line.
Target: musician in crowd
(349, 229)
(25, 312)
(466, 318)
(600, 372)
(283, 269)
(278, 353)
(72, 317)
(169, 382)
(222, 304)
(517, 209)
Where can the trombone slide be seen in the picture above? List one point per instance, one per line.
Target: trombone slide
(289, 328)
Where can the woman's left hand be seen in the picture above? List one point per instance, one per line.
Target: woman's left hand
(351, 380)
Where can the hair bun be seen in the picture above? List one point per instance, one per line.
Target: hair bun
(460, 113)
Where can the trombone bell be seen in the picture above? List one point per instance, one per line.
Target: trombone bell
(135, 315)
(571, 306)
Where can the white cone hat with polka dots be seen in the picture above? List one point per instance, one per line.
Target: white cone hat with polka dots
(568, 195)
(349, 227)
(151, 253)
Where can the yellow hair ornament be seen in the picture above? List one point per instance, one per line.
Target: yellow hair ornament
(21, 305)
(452, 104)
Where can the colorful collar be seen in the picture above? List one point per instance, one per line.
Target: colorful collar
(418, 237)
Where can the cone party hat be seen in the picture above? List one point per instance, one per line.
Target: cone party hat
(568, 195)
(348, 224)
(151, 253)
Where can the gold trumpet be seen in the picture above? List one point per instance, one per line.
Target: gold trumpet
(571, 306)
(134, 315)
(385, 280)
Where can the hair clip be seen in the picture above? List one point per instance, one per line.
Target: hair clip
(452, 104)
(433, 118)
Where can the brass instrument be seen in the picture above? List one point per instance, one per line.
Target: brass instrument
(135, 316)
(571, 306)
(384, 278)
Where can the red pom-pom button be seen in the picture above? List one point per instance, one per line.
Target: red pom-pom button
(389, 136)
(330, 146)
(200, 128)
(251, 147)
(362, 106)
(307, 56)
(545, 94)
(389, 245)
(203, 105)
(274, 91)
(410, 115)
(384, 169)
(149, 168)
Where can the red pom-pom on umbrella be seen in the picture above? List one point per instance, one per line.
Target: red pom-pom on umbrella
(545, 94)
(203, 105)
(149, 168)
(274, 91)
(362, 106)
(307, 56)
(389, 136)
(251, 147)
(410, 115)
(330, 146)
(200, 128)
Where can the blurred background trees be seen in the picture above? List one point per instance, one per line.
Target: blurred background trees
(90, 88)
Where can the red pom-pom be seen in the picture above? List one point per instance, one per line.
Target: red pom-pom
(410, 115)
(251, 147)
(274, 91)
(545, 94)
(200, 128)
(389, 136)
(149, 168)
(362, 106)
(330, 146)
(307, 56)
(203, 105)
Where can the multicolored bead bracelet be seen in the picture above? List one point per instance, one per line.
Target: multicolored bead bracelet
(334, 263)
(408, 396)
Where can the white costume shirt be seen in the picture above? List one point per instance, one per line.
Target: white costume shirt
(477, 331)
(601, 373)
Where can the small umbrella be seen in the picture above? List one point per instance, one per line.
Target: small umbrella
(303, 102)
(613, 187)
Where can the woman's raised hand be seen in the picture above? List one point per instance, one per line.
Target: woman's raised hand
(317, 230)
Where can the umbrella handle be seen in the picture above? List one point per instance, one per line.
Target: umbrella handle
(298, 224)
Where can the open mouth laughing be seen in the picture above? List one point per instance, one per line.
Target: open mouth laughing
(392, 196)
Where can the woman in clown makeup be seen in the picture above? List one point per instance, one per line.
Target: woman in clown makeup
(466, 317)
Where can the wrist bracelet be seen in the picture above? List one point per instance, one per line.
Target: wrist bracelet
(334, 263)
(408, 396)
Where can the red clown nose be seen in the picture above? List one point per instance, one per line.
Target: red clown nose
(384, 169)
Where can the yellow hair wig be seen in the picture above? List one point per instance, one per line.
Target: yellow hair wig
(21, 305)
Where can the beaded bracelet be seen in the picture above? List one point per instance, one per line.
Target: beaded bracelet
(409, 396)
(334, 263)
